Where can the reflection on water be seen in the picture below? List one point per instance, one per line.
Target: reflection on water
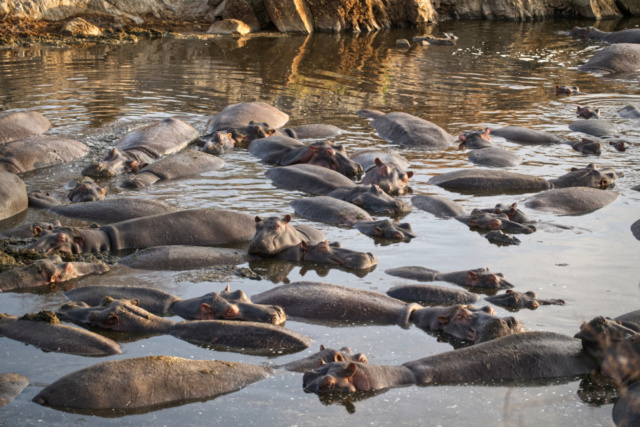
(498, 74)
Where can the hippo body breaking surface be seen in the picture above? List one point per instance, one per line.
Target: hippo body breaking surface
(599, 128)
(438, 206)
(178, 257)
(274, 235)
(38, 151)
(524, 135)
(13, 195)
(617, 58)
(494, 157)
(480, 277)
(238, 115)
(428, 294)
(370, 197)
(324, 356)
(328, 209)
(16, 125)
(314, 131)
(11, 385)
(571, 201)
(635, 229)
(489, 181)
(631, 35)
(153, 300)
(309, 178)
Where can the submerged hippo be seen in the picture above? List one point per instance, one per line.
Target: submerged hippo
(38, 151)
(599, 128)
(86, 190)
(143, 146)
(216, 143)
(617, 58)
(524, 135)
(438, 206)
(210, 227)
(630, 112)
(13, 195)
(351, 377)
(273, 235)
(178, 257)
(475, 139)
(322, 357)
(313, 131)
(587, 146)
(480, 277)
(238, 115)
(494, 157)
(329, 253)
(43, 330)
(567, 90)
(428, 294)
(494, 221)
(370, 197)
(389, 176)
(405, 129)
(631, 35)
(44, 272)
(328, 209)
(224, 305)
(515, 299)
(144, 383)
(386, 229)
(16, 125)
(103, 211)
(180, 165)
(11, 385)
(571, 201)
(367, 158)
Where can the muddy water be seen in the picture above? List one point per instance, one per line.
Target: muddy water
(498, 74)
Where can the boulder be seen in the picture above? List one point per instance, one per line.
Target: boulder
(229, 26)
(242, 10)
(290, 16)
(80, 28)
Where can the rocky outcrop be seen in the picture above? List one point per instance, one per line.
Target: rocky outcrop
(229, 26)
(308, 15)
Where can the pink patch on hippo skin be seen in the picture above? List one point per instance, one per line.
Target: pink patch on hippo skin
(207, 312)
(230, 312)
(471, 279)
(495, 224)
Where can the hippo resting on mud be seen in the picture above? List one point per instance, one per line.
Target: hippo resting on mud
(144, 383)
(104, 211)
(200, 227)
(43, 330)
(38, 151)
(11, 385)
(44, 272)
(408, 130)
(617, 58)
(13, 195)
(631, 35)
(180, 165)
(224, 305)
(285, 151)
(143, 146)
(125, 316)
(339, 304)
(16, 125)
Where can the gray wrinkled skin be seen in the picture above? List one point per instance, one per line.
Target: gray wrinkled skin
(517, 300)
(571, 201)
(13, 195)
(438, 206)
(238, 115)
(480, 277)
(314, 131)
(112, 210)
(367, 158)
(429, 294)
(309, 178)
(370, 197)
(328, 209)
(527, 136)
(494, 157)
(350, 377)
(489, 181)
(599, 128)
(153, 300)
(39, 151)
(177, 257)
(11, 385)
(15, 125)
(329, 253)
(389, 176)
(617, 58)
(322, 357)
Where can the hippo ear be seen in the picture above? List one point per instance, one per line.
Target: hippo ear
(488, 309)
(103, 191)
(228, 288)
(322, 347)
(351, 369)
(531, 294)
(304, 246)
(487, 131)
(574, 169)
(509, 291)
(287, 218)
(134, 166)
(229, 136)
(253, 122)
(37, 230)
(112, 320)
(134, 302)
(313, 149)
(362, 358)
(68, 268)
(258, 219)
(207, 312)
(338, 358)
(78, 239)
(383, 170)
(410, 174)
(443, 319)
(378, 162)
(378, 231)
(321, 362)
(462, 138)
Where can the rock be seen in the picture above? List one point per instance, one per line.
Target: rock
(244, 11)
(229, 26)
(403, 43)
(290, 16)
(80, 28)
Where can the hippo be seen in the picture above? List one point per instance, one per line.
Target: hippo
(209, 227)
(626, 412)
(385, 229)
(367, 158)
(630, 112)
(142, 384)
(587, 146)
(32, 229)
(603, 335)
(16, 125)
(598, 128)
(475, 139)
(515, 299)
(571, 201)
(588, 112)
(309, 178)
(324, 356)
(370, 197)
(13, 195)
(438, 206)
(86, 190)
(512, 212)
(494, 221)
(619, 144)
(244, 135)
(11, 385)
(524, 135)
(178, 257)
(329, 253)
(389, 176)
(480, 277)
(286, 151)
(43, 330)
(350, 377)
(38, 151)
(273, 235)
(216, 143)
(109, 210)
(617, 58)
(428, 294)
(328, 209)
(625, 36)
(313, 131)
(224, 305)
(238, 115)
(408, 130)
(180, 165)
(635, 229)
(142, 146)
(567, 90)
(44, 272)
(494, 157)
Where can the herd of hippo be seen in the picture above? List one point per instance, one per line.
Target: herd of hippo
(157, 236)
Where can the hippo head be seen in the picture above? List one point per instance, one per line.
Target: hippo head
(619, 145)
(227, 305)
(586, 177)
(371, 197)
(86, 191)
(475, 139)
(332, 156)
(324, 356)
(567, 90)
(495, 221)
(216, 143)
(388, 177)
(114, 163)
(333, 253)
(63, 239)
(339, 377)
(387, 229)
(587, 146)
(588, 112)
(622, 361)
(483, 278)
(253, 131)
(579, 31)
(513, 213)
(516, 300)
(601, 333)
(273, 235)
(118, 315)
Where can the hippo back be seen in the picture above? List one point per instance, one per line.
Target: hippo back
(238, 115)
(39, 151)
(18, 124)
(113, 210)
(189, 162)
(405, 129)
(617, 58)
(310, 178)
(159, 139)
